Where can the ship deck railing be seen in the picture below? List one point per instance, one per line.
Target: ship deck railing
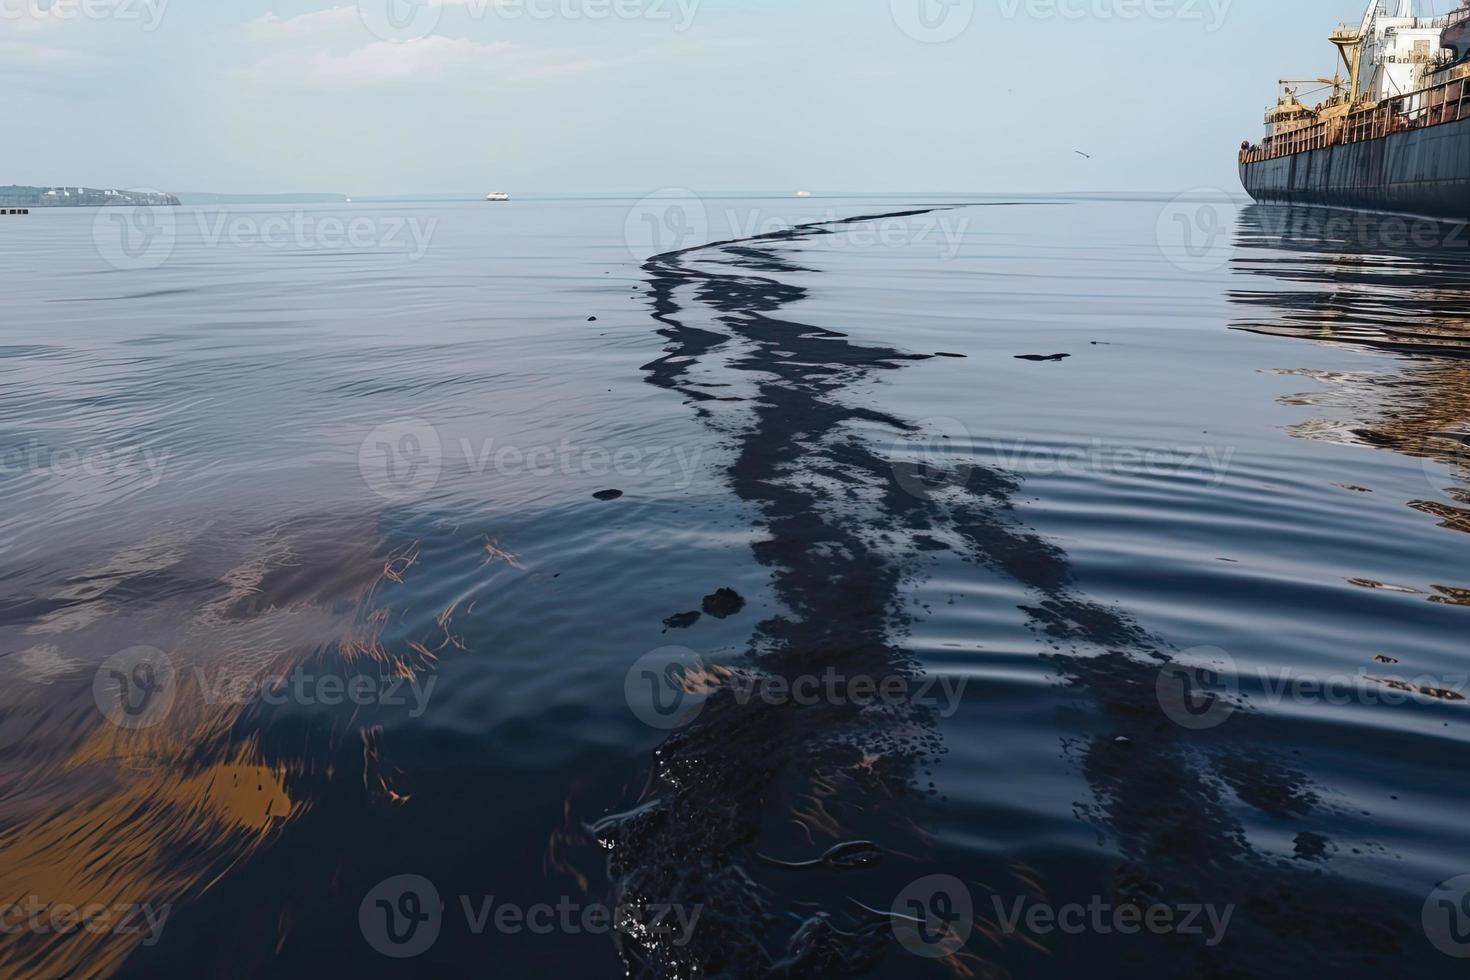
(1447, 102)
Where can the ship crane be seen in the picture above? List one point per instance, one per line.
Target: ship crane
(1395, 134)
(1336, 84)
(1349, 43)
(1386, 74)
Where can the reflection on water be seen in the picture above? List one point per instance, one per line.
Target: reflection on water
(1378, 280)
(1331, 277)
(1381, 282)
(238, 724)
(121, 797)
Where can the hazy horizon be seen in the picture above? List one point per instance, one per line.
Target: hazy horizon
(628, 96)
(742, 192)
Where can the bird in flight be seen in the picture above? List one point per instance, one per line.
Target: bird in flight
(1081, 154)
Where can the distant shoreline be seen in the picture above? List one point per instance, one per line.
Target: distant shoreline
(17, 196)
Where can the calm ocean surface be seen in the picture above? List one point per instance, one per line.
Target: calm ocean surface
(320, 656)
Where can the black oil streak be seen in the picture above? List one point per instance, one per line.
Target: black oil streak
(823, 495)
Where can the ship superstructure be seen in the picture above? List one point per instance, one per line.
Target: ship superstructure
(1394, 132)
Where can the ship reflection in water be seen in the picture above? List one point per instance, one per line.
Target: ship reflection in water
(1377, 281)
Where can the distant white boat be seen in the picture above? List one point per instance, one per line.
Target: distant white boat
(497, 196)
(803, 193)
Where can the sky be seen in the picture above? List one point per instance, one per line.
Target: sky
(423, 96)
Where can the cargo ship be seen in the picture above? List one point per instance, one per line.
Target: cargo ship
(1394, 132)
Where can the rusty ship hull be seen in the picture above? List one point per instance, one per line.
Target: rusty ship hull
(1419, 171)
(1394, 134)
